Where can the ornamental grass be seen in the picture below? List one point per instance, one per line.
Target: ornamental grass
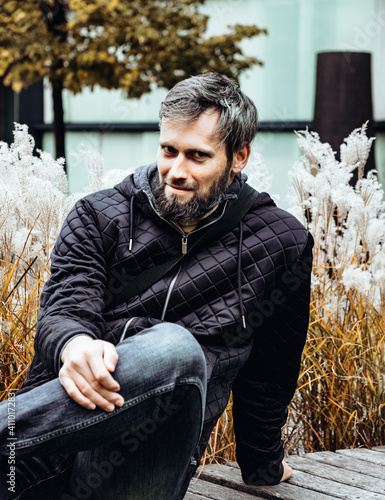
(341, 389)
(19, 295)
(340, 401)
(33, 204)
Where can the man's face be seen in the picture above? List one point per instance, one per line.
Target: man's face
(193, 168)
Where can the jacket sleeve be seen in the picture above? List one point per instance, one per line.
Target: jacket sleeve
(71, 302)
(265, 385)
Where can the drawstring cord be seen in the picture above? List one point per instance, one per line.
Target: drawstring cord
(131, 229)
(241, 307)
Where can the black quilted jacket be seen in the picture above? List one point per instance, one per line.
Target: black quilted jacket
(260, 270)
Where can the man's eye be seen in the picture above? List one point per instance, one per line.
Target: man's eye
(200, 155)
(169, 150)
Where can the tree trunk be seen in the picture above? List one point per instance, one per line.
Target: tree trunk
(57, 96)
(54, 13)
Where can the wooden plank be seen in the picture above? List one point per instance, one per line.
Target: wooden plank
(347, 462)
(193, 496)
(231, 477)
(331, 489)
(374, 457)
(206, 490)
(353, 479)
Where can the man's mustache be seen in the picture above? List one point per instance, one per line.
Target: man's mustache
(180, 182)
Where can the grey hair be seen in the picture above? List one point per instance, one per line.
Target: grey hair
(188, 99)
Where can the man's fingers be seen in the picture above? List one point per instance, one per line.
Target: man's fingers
(74, 393)
(89, 361)
(86, 376)
(89, 395)
(110, 356)
(99, 396)
(100, 372)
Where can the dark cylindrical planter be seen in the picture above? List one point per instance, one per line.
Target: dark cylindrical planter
(343, 99)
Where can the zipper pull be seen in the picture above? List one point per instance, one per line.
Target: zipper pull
(184, 245)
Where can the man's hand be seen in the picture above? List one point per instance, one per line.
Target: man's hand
(287, 471)
(85, 373)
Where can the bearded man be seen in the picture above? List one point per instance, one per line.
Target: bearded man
(166, 293)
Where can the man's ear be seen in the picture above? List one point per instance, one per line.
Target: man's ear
(241, 158)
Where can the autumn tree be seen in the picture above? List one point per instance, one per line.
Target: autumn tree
(116, 44)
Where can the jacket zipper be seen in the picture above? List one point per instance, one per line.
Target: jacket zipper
(126, 328)
(169, 292)
(184, 245)
(184, 235)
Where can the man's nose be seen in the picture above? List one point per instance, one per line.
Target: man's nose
(179, 168)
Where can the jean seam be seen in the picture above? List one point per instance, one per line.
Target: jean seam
(95, 420)
(202, 391)
(195, 466)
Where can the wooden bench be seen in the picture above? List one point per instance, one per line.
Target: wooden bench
(357, 474)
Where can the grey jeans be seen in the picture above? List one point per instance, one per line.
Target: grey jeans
(141, 451)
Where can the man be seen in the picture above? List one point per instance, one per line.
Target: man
(132, 372)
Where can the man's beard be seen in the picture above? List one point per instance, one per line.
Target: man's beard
(172, 208)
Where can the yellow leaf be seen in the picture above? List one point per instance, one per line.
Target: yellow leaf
(113, 5)
(17, 86)
(19, 16)
(7, 80)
